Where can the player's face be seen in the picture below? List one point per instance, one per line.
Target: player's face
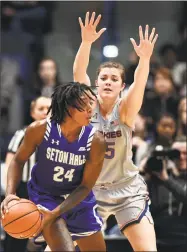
(166, 127)
(40, 109)
(82, 118)
(47, 70)
(109, 83)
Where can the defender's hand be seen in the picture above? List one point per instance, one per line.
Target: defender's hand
(146, 46)
(88, 30)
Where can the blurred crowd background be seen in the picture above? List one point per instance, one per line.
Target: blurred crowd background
(39, 40)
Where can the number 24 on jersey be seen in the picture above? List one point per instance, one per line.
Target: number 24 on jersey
(59, 175)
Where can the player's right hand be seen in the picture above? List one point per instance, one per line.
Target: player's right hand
(4, 204)
(88, 30)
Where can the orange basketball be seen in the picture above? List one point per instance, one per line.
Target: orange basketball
(23, 219)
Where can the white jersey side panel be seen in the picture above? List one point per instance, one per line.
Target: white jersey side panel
(118, 165)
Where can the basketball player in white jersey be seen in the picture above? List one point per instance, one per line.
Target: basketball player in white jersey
(119, 190)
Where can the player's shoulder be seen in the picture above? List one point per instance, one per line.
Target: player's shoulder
(37, 127)
(35, 131)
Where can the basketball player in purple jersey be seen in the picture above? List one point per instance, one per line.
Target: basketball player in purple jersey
(119, 190)
(70, 157)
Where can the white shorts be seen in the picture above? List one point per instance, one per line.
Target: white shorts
(128, 201)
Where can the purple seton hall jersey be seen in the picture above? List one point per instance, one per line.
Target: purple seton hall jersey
(60, 165)
(59, 172)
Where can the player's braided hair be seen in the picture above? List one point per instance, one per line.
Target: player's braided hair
(66, 96)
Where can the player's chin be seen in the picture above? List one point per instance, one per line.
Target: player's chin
(107, 95)
(86, 122)
(83, 122)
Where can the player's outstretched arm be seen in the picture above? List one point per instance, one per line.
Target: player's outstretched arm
(132, 102)
(92, 170)
(89, 35)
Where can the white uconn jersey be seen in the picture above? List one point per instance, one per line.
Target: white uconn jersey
(118, 165)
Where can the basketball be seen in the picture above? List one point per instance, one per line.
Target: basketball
(23, 219)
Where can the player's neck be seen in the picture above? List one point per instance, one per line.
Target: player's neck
(106, 106)
(70, 130)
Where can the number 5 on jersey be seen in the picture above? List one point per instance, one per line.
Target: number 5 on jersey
(110, 150)
(59, 176)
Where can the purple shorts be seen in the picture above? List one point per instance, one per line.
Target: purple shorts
(82, 220)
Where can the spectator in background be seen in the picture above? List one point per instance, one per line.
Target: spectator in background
(166, 129)
(31, 17)
(164, 137)
(131, 67)
(11, 95)
(183, 89)
(133, 62)
(182, 121)
(182, 47)
(38, 111)
(162, 99)
(168, 194)
(46, 78)
(169, 58)
(140, 127)
(140, 146)
(44, 81)
(11, 9)
(168, 54)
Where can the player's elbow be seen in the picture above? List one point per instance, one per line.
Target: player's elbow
(76, 76)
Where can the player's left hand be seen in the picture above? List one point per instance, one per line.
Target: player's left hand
(146, 45)
(48, 216)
